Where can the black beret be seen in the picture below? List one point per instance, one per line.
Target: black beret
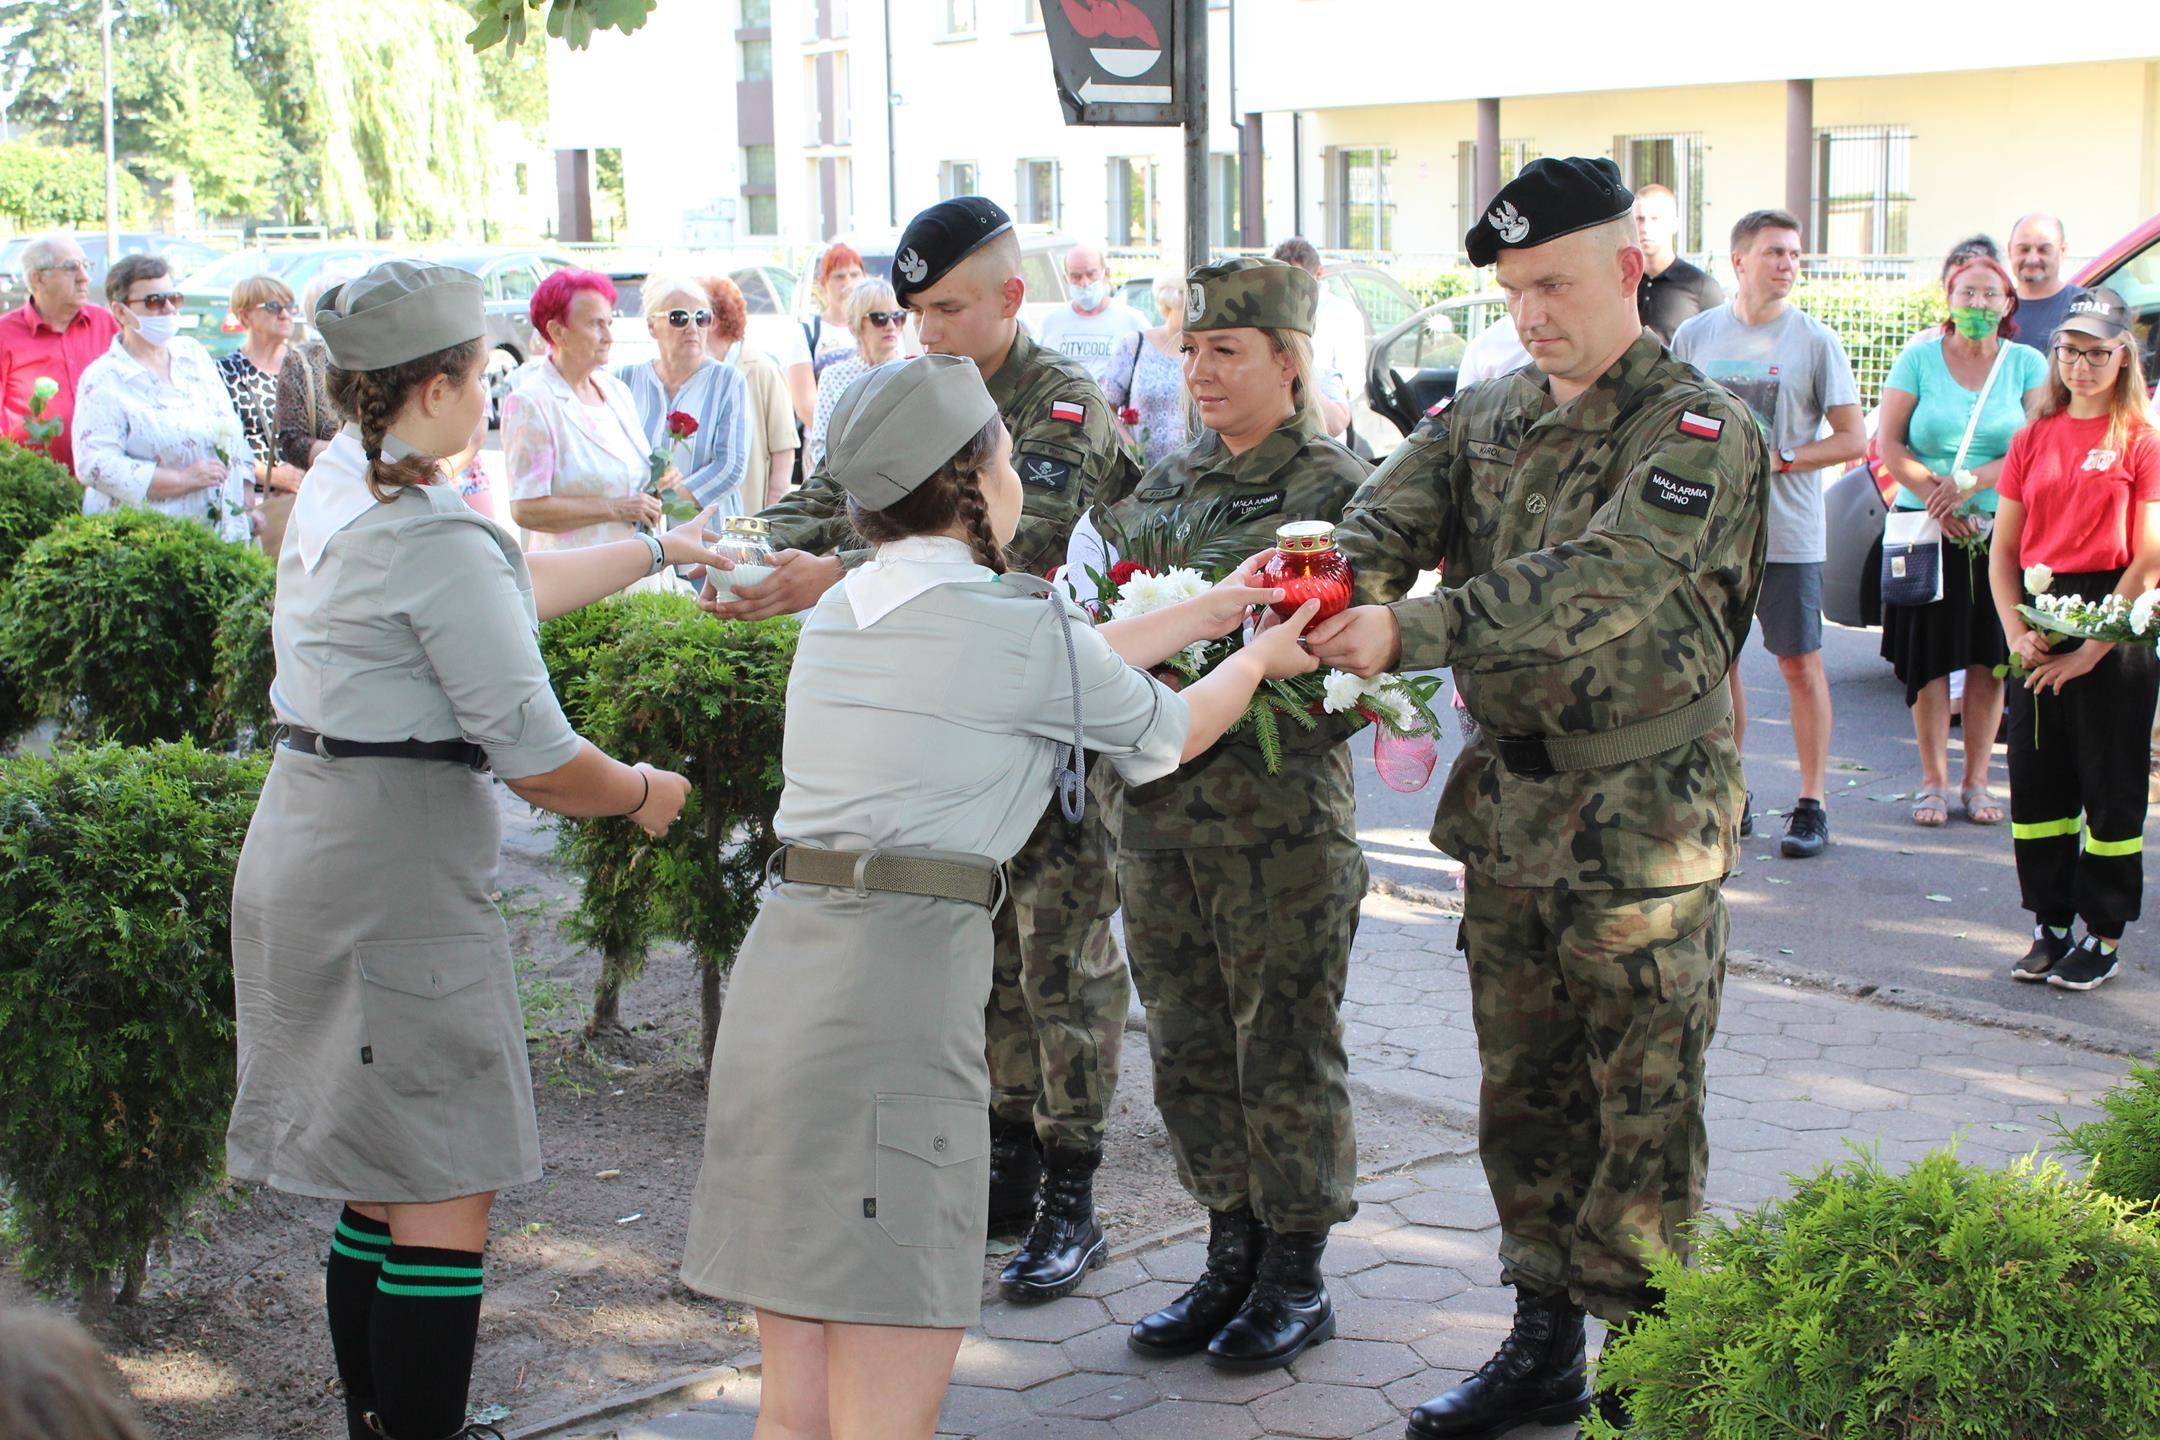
(941, 237)
(1548, 199)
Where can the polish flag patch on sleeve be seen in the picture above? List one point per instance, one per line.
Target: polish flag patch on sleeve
(1069, 412)
(1702, 427)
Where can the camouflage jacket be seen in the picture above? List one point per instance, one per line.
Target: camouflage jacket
(1600, 562)
(1065, 448)
(1226, 796)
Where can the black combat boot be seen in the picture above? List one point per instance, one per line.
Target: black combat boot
(1065, 1242)
(1186, 1324)
(1537, 1376)
(1015, 1175)
(1287, 1313)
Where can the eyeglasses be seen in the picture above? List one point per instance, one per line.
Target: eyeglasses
(684, 319)
(2097, 359)
(73, 267)
(157, 302)
(279, 309)
(886, 317)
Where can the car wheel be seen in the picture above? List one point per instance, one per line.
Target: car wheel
(501, 363)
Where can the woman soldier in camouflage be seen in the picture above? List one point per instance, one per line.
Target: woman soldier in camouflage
(1241, 888)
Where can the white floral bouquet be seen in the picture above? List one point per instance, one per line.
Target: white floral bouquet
(2113, 619)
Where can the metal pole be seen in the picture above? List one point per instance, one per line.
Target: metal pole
(892, 144)
(112, 178)
(1800, 156)
(1488, 155)
(1195, 17)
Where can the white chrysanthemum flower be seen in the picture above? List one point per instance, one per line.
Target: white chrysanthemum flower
(1184, 583)
(1392, 702)
(1341, 691)
(2142, 612)
(1965, 480)
(2038, 578)
(1141, 594)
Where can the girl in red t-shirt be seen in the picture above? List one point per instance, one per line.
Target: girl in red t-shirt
(2080, 494)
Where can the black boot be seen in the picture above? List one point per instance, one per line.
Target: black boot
(1015, 1175)
(1287, 1313)
(1065, 1242)
(1186, 1324)
(1537, 1376)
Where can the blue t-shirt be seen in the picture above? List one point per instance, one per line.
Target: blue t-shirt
(1942, 407)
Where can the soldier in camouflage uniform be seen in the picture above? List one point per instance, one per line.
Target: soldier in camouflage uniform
(1060, 990)
(1242, 888)
(1598, 521)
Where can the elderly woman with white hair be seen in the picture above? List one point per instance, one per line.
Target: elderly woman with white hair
(879, 324)
(682, 378)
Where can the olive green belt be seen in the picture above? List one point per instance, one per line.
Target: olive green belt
(975, 881)
(1539, 757)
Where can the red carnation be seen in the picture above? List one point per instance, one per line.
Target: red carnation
(1128, 416)
(1124, 570)
(680, 425)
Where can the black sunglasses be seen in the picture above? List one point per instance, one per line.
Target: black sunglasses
(886, 317)
(279, 308)
(156, 300)
(683, 319)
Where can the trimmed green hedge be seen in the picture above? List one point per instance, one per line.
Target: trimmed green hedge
(116, 1010)
(35, 496)
(2122, 1148)
(245, 662)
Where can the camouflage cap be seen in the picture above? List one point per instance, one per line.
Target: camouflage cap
(1251, 294)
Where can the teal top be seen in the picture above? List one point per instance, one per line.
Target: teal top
(1943, 407)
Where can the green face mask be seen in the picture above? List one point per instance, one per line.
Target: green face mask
(1974, 322)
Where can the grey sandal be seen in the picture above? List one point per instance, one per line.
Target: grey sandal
(1930, 802)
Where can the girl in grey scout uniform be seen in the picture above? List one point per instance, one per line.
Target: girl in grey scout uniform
(1241, 888)
(843, 1190)
(381, 1050)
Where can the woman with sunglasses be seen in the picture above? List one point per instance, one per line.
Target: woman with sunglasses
(683, 377)
(264, 307)
(154, 427)
(878, 323)
(2080, 495)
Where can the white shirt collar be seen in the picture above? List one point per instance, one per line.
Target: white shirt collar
(904, 569)
(336, 492)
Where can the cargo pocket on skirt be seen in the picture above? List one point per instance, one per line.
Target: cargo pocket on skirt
(433, 1018)
(931, 1161)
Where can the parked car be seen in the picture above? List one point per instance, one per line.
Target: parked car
(1412, 367)
(508, 278)
(769, 302)
(206, 295)
(183, 255)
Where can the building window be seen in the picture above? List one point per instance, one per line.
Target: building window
(761, 203)
(1029, 16)
(1676, 162)
(1514, 155)
(1226, 201)
(955, 18)
(756, 60)
(762, 213)
(756, 14)
(760, 167)
(1135, 212)
(956, 178)
(1361, 209)
(1863, 191)
(1038, 192)
(843, 130)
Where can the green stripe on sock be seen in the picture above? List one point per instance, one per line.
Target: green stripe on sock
(2114, 847)
(2043, 829)
(447, 1272)
(438, 1292)
(362, 1237)
(338, 1244)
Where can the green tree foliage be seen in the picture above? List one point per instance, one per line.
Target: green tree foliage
(574, 22)
(2122, 1148)
(1945, 1302)
(44, 187)
(35, 496)
(116, 1015)
(109, 621)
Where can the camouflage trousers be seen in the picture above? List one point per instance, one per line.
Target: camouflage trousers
(1058, 987)
(1241, 953)
(1594, 1009)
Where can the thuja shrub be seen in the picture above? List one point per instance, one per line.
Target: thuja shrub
(35, 495)
(1945, 1301)
(110, 622)
(116, 1010)
(2122, 1148)
(244, 664)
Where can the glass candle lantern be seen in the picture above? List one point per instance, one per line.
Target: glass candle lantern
(747, 540)
(1307, 566)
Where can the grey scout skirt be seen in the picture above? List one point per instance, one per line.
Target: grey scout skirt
(381, 1045)
(847, 1135)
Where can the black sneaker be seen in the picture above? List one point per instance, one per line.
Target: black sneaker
(2086, 967)
(1807, 830)
(1747, 815)
(2048, 950)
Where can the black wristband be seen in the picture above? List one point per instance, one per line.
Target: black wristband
(646, 778)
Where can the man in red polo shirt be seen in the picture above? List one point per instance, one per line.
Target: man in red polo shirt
(57, 334)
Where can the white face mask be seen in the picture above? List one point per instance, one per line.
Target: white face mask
(157, 330)
(1090, 297)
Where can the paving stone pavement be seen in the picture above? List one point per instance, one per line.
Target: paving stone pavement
(1794, 1076)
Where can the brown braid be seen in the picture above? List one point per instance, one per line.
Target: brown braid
(371, 399)
(953, 494)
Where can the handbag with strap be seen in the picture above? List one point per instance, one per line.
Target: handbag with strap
(1912, 569)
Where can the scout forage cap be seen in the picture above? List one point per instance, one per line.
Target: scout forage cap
(940, 238)
(896, 426)
(1251, 294)
(2099, 313)
(1550, 198)
(399, 311)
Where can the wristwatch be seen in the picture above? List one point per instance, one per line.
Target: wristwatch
(1786, 457)
(659, 555)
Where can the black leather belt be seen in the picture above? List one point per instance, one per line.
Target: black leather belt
(457, 752)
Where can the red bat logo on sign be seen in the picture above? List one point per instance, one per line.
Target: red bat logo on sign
(1112, 20)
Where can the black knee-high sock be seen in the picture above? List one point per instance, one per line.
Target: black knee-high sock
(357, 1247)
(421, 1333)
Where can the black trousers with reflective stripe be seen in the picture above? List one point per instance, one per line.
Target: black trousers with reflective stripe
(2078, 763)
